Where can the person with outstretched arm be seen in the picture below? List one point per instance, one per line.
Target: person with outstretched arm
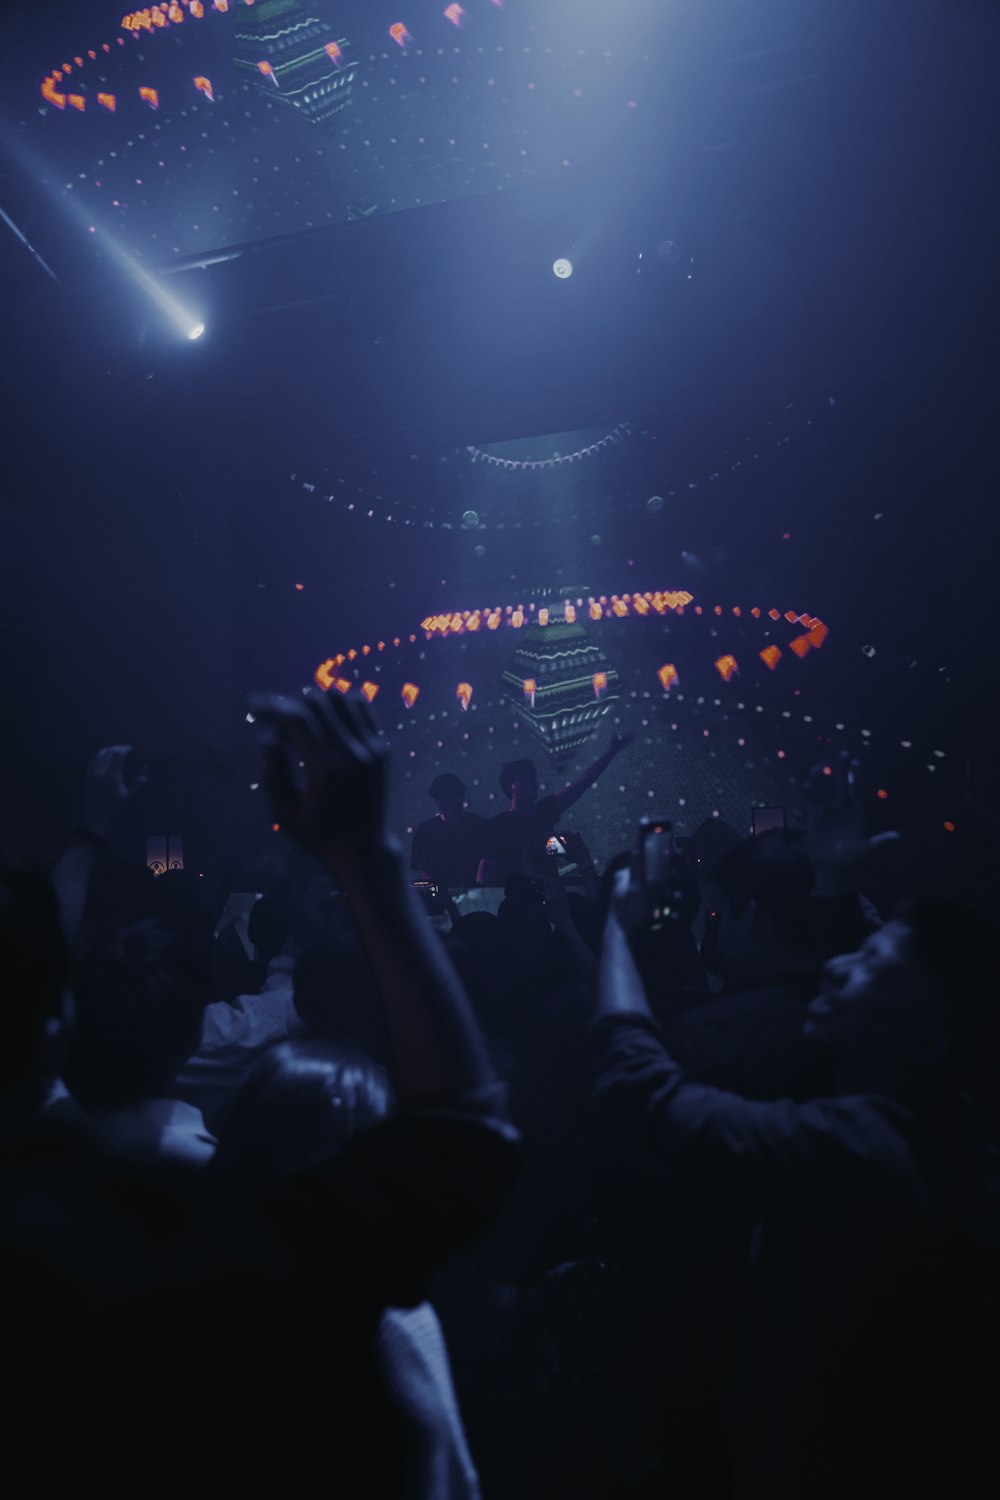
(514, 841)
(266, 1294)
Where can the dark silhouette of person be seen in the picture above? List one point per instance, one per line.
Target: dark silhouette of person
(447, 848)
(515, 840)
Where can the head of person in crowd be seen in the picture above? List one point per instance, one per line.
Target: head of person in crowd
(447, 791)
(336, 995)
(138, 1005)
(758, 918)
(300, 1106)
(519, 782)
(37, 1008)
(919, 995)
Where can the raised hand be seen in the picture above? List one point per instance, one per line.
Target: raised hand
(106, 792)
(325, 771)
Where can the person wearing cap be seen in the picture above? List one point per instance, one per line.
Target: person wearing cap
(447, 849)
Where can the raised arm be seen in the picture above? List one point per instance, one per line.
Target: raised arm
(325, 766)
(575, 790)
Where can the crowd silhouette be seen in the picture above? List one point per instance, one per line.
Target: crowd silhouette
(374, 1185)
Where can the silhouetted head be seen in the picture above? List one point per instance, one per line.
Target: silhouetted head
(448, 791)
(519, 781)
(138, 1010)
(919, 991)
(759, 919)
(299, 1107)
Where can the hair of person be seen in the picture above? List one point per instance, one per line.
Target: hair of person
(446, 785)
(35, 961)
(300, 1106)
(514, 770)
(772, 870)
(139, 1000)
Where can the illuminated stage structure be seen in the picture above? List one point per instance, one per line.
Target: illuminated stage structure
(288, 55)
(562, 685)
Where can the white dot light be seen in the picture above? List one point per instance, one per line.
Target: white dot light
(562, 268)
(196, 330)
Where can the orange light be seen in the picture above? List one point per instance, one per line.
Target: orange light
(474, 621)
(595, 611)
(668, 676)
(801, 645)
(770, 656)
(380, 646)
(620, 608)
(726, 667)
(151, 97)
(717, 609)
(78, 61)
(275, 827)
(640, 605)
(818, 634)
(493, 622)
(949, 827)
(197, 9)
(775, 614)
(366, 651)
(342, 685)
(109, 101)
(324, 674)
(300, 587)
(203, 85)
(543, 616)
(517, 619)
(399, 33)
(791, 617)
(332, 51)
(755, 612)
(159, 19)
(175, 13)
(222, 5)
(882, 794)
(409, 693)
(352, 654)
(529, 689)
(370, 690)
(50, 93)
(464, 694)
(600, 681)
(569, 614)
(266, 69)
(78, 102)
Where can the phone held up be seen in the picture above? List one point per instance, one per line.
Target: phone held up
(656, 855)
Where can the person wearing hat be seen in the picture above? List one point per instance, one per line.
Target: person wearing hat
(447, 849)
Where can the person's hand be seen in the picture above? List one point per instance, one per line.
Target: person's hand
(629, 906)
(106, 792)
(325, 772)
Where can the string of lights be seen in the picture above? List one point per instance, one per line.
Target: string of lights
(331, 672)
(614, 436)
(373, 501)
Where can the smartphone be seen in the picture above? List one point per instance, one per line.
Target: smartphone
(430, 895)
(767, 818)
(556, 846)
(656, 852)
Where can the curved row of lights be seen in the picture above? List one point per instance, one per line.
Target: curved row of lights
(330, 673)
(167, 13)
(374, 506)
(614, 436)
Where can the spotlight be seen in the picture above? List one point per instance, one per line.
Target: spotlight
(196, 331)
(562, 268)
